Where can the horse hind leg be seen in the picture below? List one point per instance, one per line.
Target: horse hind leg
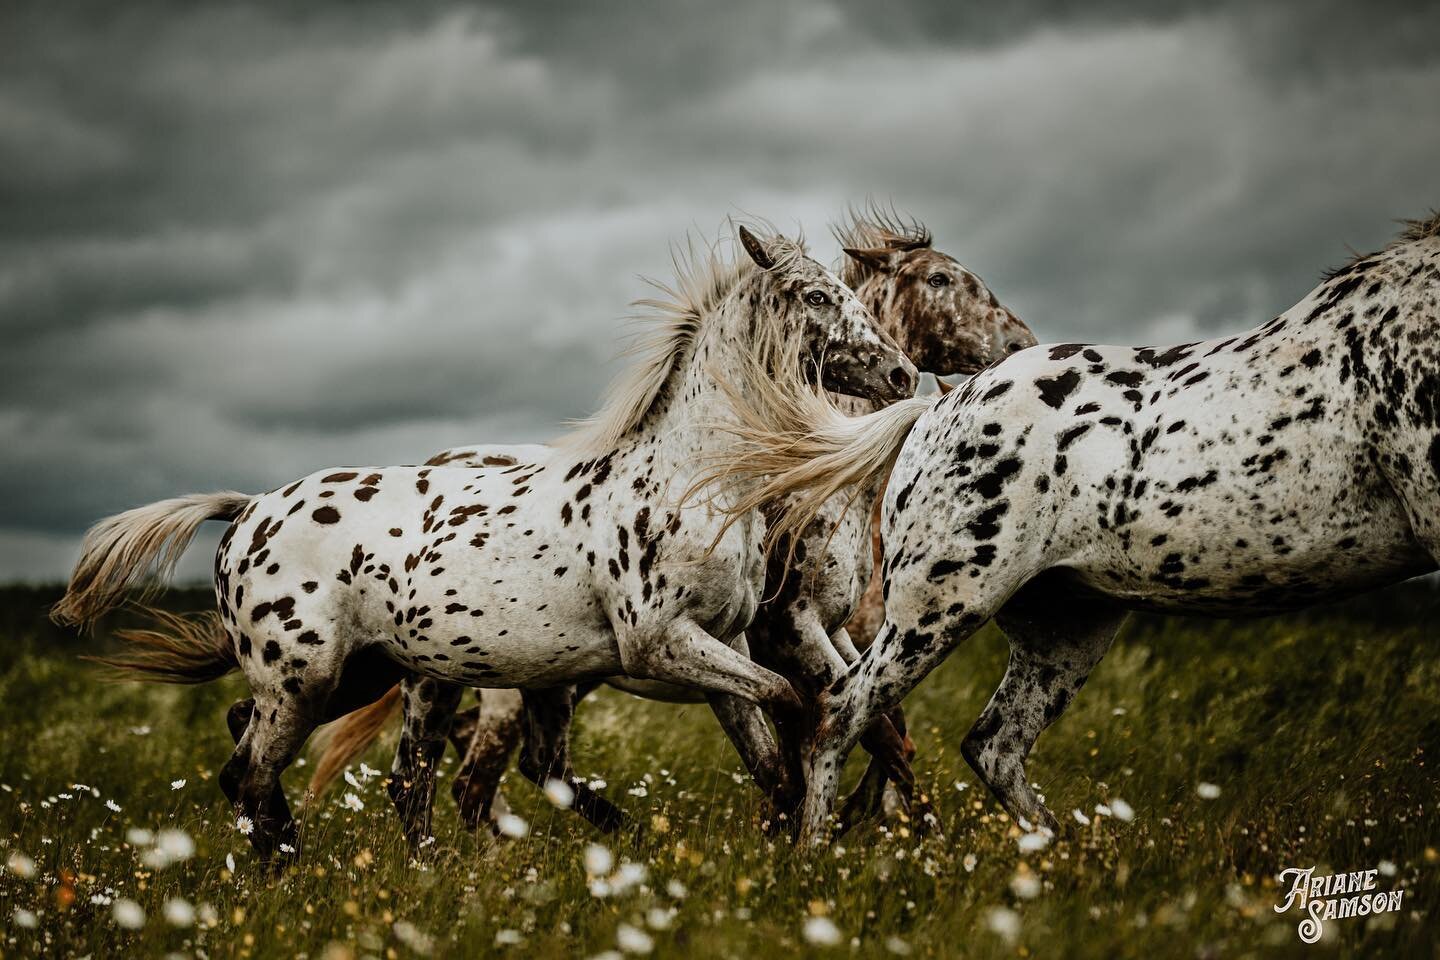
(485, 736)
(268, 735)
(546, 756)
(1053, 648)
(429, 712)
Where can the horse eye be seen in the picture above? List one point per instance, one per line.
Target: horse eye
(938, 280)
(817, 298)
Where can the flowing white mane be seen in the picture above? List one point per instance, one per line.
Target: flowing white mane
(670, 324)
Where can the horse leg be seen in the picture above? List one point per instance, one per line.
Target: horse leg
(546, 755)
(487, 738)
(270, 734)
(684, 653)
(891, 750)
(429, 711)
(1053, 648)
(925, 620)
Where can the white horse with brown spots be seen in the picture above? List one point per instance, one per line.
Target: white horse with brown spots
(1261, 472)
(580, 562)
(948, 322)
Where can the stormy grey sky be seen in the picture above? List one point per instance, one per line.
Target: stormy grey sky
(238, 244)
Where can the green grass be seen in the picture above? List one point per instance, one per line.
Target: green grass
(1322, 731)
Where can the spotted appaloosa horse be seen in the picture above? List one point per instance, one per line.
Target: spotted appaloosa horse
(948, 322)
(577, 563)
(1069, 484)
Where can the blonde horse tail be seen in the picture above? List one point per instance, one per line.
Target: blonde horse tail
(120, 551)
(341, 743)
(184, 649)
(795, 450)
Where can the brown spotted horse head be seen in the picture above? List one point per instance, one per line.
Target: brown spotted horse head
(841, 345)
(942, 315)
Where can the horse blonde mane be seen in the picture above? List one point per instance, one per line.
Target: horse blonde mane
(875, 226)
(669, 325)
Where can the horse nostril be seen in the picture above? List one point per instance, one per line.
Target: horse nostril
(900, 380)
(1015, 346)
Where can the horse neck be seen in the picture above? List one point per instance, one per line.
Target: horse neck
(687, 420)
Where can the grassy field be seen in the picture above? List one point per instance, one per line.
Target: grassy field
(1320, 731)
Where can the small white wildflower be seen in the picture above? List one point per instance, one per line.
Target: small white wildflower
(286, 848)
(1207, 791)
(1103, 810)
(178, 912)
(25, 919)
(128, 914)
(598, 860)
(559, 793)
(657, 918)
(1123, 810)
(140, 731)
(230, 862)
(1003, 922)
(176, 844)
(1386, 868)
(245, 825)
(1080, 817)
(897, 946)
(969, 862)
(178, 784)
(631, 940)
(368, 772)
(821, 931)
(20, 865)
(676, 889)
(629, 875)
(413, 937)
(608, 955)
(112, 806)
(350, 779)
(1025, 885)
(1031, 842)
(962, 785)
(512, 826)
(352, 802)
(639, 790)
(597, 784)
(508, 938)
(599, 888)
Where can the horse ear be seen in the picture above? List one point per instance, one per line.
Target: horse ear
(756, 249)
(879, 258)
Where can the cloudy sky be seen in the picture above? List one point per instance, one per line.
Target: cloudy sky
(240, 244)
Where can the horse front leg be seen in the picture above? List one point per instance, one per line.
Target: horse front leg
(429, 711)
(683, 652)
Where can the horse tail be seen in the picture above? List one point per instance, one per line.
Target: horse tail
(795, 450)
(341, 743)
(119, 551)
(184, 649)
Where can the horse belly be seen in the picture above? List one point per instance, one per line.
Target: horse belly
(1236, 556)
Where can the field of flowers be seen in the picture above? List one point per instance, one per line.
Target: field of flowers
(1203, 758)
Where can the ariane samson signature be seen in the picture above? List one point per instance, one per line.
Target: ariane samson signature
(1335, 896)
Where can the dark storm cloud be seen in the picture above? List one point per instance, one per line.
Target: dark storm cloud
(241, 243)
